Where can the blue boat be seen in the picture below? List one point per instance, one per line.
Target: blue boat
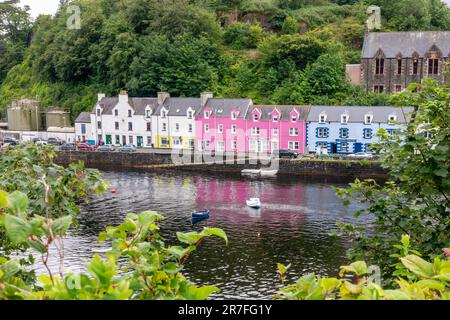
(200, 215)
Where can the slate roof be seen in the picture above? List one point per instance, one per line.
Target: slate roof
(223, 107)
(405, 43)
(138, 104)
(84, 117)
(357, 114)
(285, 111)
(180, 106)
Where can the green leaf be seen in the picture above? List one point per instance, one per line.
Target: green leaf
(431, 284)
(189, 237)
(216, 232)
(329, 284)
(45, 279)
(17, 229)
(442, 172)
(201, 293)
(282, 268)
(4, 199)
(179, 252)
(39, 247)
(18, 203)
(61, 225)
(358, 267)
(395, 295)
(418, 266)
(10, 268)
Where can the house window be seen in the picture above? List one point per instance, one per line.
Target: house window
(391, 131)
(255, 117)
(130, 126)
(116, 125)
(130, 139)
(379, 66)
(164, 141)
(99, 124)
(368, 118)
(398, 88)
(322, 132)
(117, 139)
(207, 143)
(275, 131)
(220, 128)
(176, 141)
(399, 66)
(367, 133)
(293, 145)
(378, 88)
(433, 66)
(99, 112)
(149, 126)
(344, 146)
(294, 118)
(344, 118)
(220, 146)
(233, 129)
(189, 115)
(322, 144)
(190, 127)
(415, 69)
(83, 129)
(293, 131)
(344, 133)
(163, 114)
(148, 114)
(233, 116)
(255, 131)
(206, 127)
(149, 141)
(206, 114)
(322, 118)
(164, 127)
(233, 145)
(392, 118)
(177, 127)
(275, 118)
(116, 112)
(129, 114)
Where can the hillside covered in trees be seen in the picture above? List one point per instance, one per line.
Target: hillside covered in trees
(273, 51)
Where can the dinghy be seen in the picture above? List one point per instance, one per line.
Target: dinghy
(268, 173)
(200, 215)
(251, 172)
(254, 203)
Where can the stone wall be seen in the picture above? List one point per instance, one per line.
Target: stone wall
(154, 161)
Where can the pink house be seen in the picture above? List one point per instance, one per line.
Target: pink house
(221, 125)
(276, 127)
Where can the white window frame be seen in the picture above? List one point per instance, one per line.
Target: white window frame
(293, 132)
(294, 145)
(233, 144)
(233, 128)
(233, 115)
(256, 131)
(255, 117)
(164, 127)
(368, 117)
(324, 116)
(206, 114)
(346, 133)
(393, 116)
(206, 127)
(220, 128)
(177, 127)
(190, 128)
(275, 131)
(344, 118)
(294, 119)
(220, 146)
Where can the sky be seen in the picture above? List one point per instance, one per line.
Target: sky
(50, 6)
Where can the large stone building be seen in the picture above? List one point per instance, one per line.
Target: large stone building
(392, 60)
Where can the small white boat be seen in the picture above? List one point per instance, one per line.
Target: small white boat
(268, 173)
(254, 203)
(251, 172)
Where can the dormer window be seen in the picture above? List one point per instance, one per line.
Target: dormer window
(294, 118)
(322, 118)
(344, 118)
(99, 112)
(368, 119)
(275, 117)
(190, 114)
(233, 116)
(148, 113)
(392, 118)
(206, 114)
(255, 117)
(116, 112)
(163, 114)
(129, 114)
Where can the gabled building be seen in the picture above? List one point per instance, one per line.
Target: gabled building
(273, 127)
(123, 120)
(391, 61)
(83, 128)
(351, 129)
(174, 122)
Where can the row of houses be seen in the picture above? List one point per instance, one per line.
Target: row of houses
(234, 125)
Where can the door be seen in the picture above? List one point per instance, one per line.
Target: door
(358, 147)
(124, 140)
(140, 142)
(108, 139)
(274, 145)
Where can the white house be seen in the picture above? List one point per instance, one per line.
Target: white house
(174, 121)
(121, 120)
(83, 128)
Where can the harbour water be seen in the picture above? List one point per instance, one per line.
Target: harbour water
(293, 226)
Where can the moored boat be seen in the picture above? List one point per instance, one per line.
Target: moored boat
(200, 215)
(254, 203)
(268, 173)
(251, 172)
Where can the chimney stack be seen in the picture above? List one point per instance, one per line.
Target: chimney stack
(100, 96)
(205, 96)
(123, 96)
(162, 96)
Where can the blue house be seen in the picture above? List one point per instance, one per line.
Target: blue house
(344, 130)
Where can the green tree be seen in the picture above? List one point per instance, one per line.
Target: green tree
(290, 25)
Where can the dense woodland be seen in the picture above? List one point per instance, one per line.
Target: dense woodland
(274, 51)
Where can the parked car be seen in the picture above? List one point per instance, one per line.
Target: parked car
(55, 141)
(106, 148)
(360, 156)
(10, 141)
(128, 148)
(85, 146)
(68, 147)
(39, 141)
(284, 153)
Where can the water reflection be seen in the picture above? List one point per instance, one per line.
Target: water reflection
(292, 226)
